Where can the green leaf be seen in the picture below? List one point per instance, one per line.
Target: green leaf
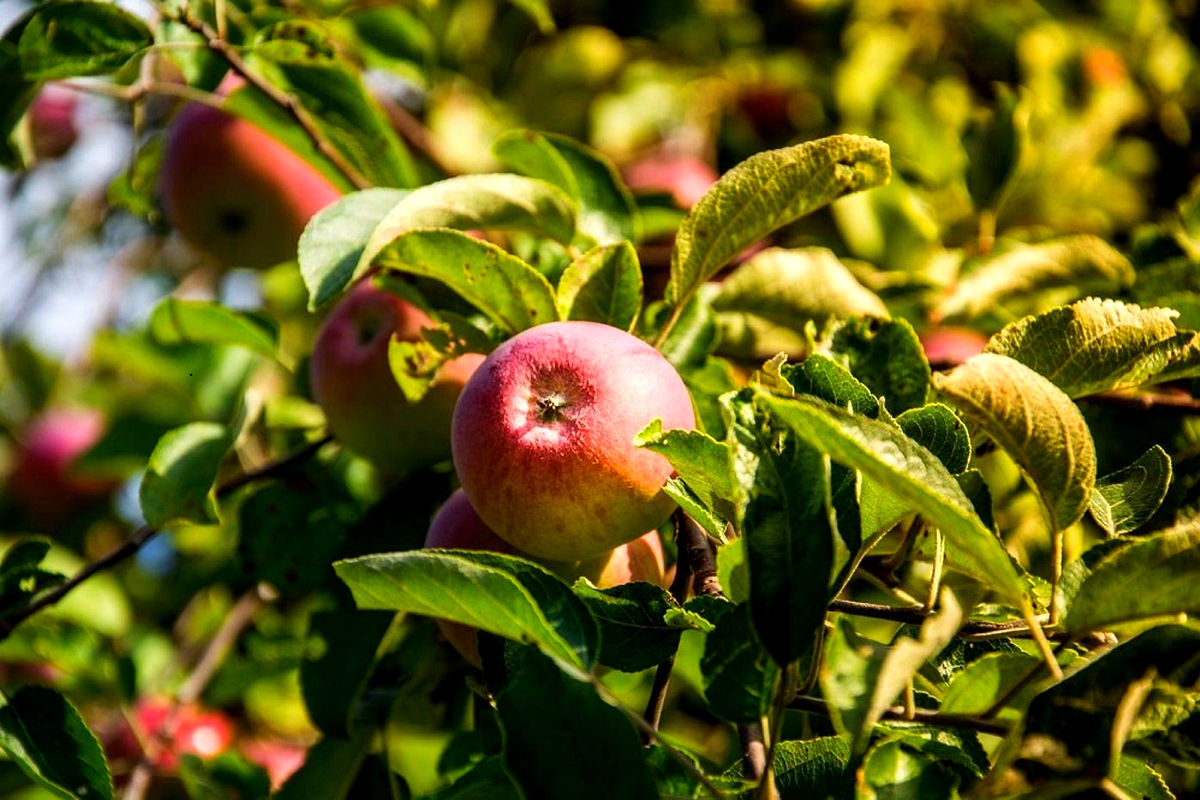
(607, 213)
(43, 733)
(810, 768)
(994, 143)
(562, 740)
(738, 674)
(984, 681)
(1035, 423)
(702, 463)
(301, 60)
(1073, 261)
(175, 321)
(822, 377)
(1093, 345)
(334, 239)
(539, 12)
(634, 634)
(887, 357)
(75, 39)
(693, 337)
(487, 780)
(939, 430)
(911, 473)
(788, 288)
(895, 770)
(1139, 779)
(329, 769)
(476, 202)
(227, 774)
(512, 294)
(1143, 686)
(1151, 578)
(764, 193)
(503, 595)
(788, 529)
(603, 285)
(24, 553)
(17, 91)
(861, 679)
(1125, 500)
(179, 478)
(333, 682)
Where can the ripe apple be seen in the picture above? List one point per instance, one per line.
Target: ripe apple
(948, 346)
(52, 128)
(456, 525)
(352, 381)
(543, 439)
(685, 178)
(234, 192)
(42, 485)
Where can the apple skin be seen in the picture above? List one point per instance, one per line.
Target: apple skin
(948, 346)
(52, 127)
(457, 526)
(41, 483)
(543, 439)
(686, 178)
(194, 729)
(352, 381)
(234, 192)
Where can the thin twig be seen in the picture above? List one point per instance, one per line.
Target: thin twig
(214, 654)
(915, 615)
(147, 532)
(415, 134)
(816, 705)
(285, 101)
(679, 591)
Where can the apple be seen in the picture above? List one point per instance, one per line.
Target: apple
(352, 381)
(457, 526)
(948, 346)
(52, 128)
(543, 439)
(685, 178)
(42, 485)
(234, 192)
(192, 729)
(279, 759)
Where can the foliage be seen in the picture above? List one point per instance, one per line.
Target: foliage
(938, 311)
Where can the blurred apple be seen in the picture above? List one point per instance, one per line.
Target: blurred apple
(948, 346)
(42, 484)
(193, 729)
(52, 126)
(685, 178)
(457, 526)
(353, 383)
(279, 759)
(234, 192)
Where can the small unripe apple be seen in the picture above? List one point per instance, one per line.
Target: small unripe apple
(352, 381)
(234, 192)
(52, 128)
(685, 178)
(457, 526)
(42, 484)
(543, 439)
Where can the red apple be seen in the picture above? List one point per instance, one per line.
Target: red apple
(686, 178)
(42, 484)
(279, 759)
(948, 346)
(543, 439)
(193, 729)
(234, 192)
(456, 525)
(352, 381)
(52, 128)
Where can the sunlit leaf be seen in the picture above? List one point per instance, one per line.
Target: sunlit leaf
(1035, 423)
(179, 477)
(1126, 499)
(886, 355)
(79, 38)
(634, 634)
(603, 285)
(176, 321)
(764, 193)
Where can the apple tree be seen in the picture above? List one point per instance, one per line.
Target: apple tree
(557, 399)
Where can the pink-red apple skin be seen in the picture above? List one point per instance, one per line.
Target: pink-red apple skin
(352, 381)
(42, 484)
(52, 126)
(947, 346)
(543, 439)
(685, 178)
(234, 192)
(192, 729)
(457, 526)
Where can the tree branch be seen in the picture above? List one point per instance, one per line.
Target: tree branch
(147, 532)
(285, 101)
(915, 615)
(679, 591)
(815, 705)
